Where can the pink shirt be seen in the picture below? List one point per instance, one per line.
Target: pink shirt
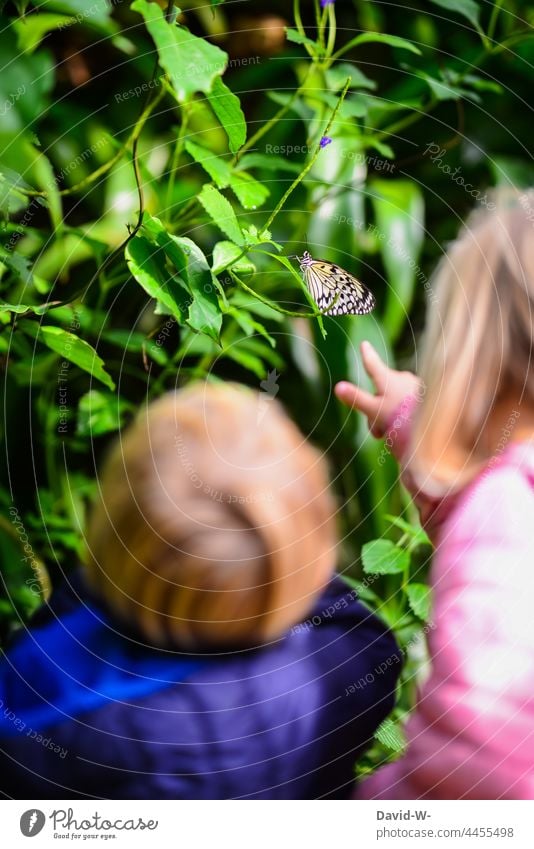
(471, 735)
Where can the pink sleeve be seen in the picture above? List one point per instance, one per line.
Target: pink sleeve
(472, 733)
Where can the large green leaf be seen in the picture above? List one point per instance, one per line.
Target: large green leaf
(204, 312)
(192, 268)
(192, 63)
(399, 214)
(70, 347)
(227, 108)
(220, 211)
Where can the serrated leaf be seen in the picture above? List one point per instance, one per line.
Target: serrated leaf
(268, 161)
(420, 600)
(219, 170)
(192, 63)
(383, 557)
(227, 108)
(249, 192)
(71, 348)
(220, 211)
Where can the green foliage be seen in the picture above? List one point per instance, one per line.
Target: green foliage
(155, 186)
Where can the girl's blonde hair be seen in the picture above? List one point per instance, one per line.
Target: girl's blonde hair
(477, 351)
(215, 524)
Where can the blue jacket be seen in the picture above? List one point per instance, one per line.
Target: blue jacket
(87, 711)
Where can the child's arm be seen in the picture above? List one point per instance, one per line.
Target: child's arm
(392, 389)
(389, 413)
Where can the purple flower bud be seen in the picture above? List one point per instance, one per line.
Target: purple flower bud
(324, 141)
(327, 3)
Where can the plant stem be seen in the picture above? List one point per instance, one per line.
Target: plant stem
(309, 165)
(268, 302)
(175, 157)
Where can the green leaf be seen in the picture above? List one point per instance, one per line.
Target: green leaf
(247, 360)
(99, 413)
(383, 38)
(383, 557)
(246, 301)
(32, 28)
(146, 262)
(418, 534)
(25, 83)
(337, 77)
(70, 347)
(192, 63)
(204, 313)
(297, 38)
(269, 162)
(391, 735)
(90, 12)
(249, 191)
(467, 8)
(227, 255)
(399, 214)
(220, 211)
(227, 108)
(249, 325)
(219, 170)
(420, 600)
(21, 309)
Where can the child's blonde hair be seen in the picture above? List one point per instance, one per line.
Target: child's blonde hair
(215, 524)
(478, 345)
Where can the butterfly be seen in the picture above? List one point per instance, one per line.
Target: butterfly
(335, 290)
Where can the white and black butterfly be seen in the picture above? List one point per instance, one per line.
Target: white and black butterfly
(335, 291)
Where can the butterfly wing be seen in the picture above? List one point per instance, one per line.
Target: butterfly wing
(336, 291)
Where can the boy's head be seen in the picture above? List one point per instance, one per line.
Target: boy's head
(214, 524)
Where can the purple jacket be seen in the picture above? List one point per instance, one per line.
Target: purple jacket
(87, 711)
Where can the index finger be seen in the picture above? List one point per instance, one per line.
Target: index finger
(358, 399)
